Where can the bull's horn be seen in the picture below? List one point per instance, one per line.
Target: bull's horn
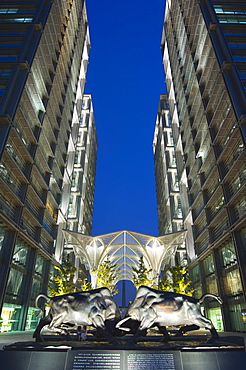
(121, 322)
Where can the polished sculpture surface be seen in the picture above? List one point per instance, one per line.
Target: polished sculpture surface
(149, 308)
(152, 307)
(94, 308)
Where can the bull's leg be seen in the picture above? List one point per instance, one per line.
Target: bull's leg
(145, 324)
(43, 322)
(164, 331)
(215, 335)
(186, 328)
(57, 320)
(60, 330)
(56, 323)
(207, 324)
(99, 323)
(106, 333)
(136, 336)
(149, 317)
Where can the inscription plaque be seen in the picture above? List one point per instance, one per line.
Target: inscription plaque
(94, 360)
(123, 360)
(150, 361)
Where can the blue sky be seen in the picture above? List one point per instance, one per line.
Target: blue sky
(125, 77)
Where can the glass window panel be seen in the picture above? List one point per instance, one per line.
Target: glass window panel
(232, 282)
(214, 314)
(228, 255)
(10, 317)
(20, 254)
(8, 58)
(208, 265)
(195, 274)
(211, 285)
(12, 34)
(37, 288)
(242, 236)
(197, 291)
(40, 265)
(10, 45)
(14, 286)
(17, 20)
(32, 319)
(237, 315)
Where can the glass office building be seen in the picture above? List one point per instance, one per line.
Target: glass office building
(44, 48)
(204, 57)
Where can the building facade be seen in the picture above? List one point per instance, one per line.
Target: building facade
(43, 60)
(170, 219)
(204, 58)
(80, 187)
(81, 201)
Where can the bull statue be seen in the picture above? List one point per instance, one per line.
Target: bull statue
(152, 307)
(94, 308)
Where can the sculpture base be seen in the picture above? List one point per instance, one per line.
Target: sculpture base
(195, 341)
(116, 359)
(190, 353)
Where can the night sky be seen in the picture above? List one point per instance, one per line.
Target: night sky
(125, 77)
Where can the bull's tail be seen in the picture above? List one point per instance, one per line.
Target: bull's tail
(210, 295)
(36, 303)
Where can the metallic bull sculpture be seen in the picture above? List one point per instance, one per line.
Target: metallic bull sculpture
(152, 307)
(94, 308)
(149, 308)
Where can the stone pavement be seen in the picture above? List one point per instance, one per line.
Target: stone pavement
(17, 336)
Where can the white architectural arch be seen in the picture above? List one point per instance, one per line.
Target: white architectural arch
(124, 248)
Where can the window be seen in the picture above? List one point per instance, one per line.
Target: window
(20, 254)
(40, 265)
(230, 273)
(15, 284)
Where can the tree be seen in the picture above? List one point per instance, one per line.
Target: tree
(164, 284)
(140, 275)
(106, 275)
(86, 285)
(63, 282)
(178, 281)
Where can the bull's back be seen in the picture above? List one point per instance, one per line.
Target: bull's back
(185, 314)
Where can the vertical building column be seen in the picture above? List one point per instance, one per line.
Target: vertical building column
(224, 307)
(27, 288)
(203, 283)
(240, 248)
(8, 248)
(5, 124)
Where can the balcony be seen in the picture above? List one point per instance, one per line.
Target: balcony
(34, 204)
(219, 225)
(232, 158)
(46, 242)
(30, 224)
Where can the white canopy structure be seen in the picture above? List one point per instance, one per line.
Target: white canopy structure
(124, 248)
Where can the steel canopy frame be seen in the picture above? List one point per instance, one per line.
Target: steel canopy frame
(124, 249)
